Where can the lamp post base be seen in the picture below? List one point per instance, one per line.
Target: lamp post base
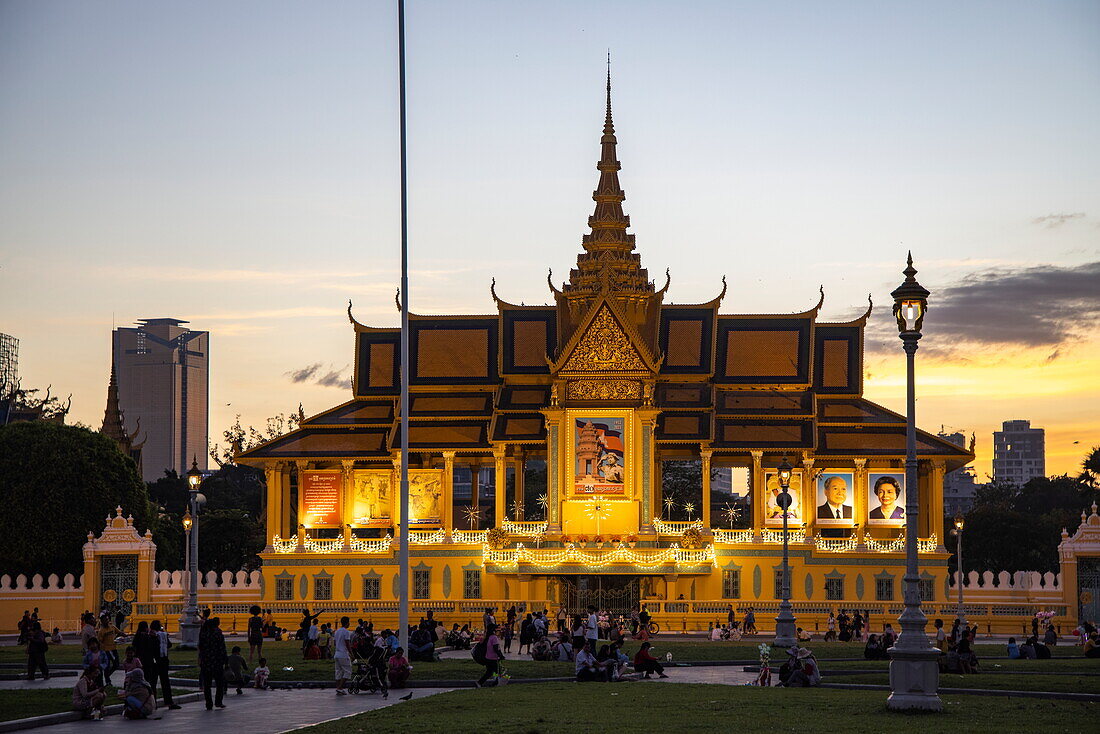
(189, 630)
(914, 680)
(785, 631)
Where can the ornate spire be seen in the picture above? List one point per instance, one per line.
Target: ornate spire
(609, 261)
(114, 426)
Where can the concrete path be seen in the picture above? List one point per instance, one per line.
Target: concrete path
(255, 712)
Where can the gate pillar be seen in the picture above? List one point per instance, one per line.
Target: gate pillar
(118, 566)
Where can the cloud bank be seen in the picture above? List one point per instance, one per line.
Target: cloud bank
(318, 374)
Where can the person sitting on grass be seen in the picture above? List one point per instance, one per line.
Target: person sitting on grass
(644, 662)
(88, 694)
(260, 675)
(399, 669)
(1042, 652)
(715, 634)
(56, 638)
(1013, 649)
(563, 649)
(804, 670)
(420, 645)
(1027, 650)
(236, 670)
(1092, 646)
(587, 667)
(803, 635)
(874, 650)
(140, 703)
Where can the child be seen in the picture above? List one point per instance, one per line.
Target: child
(324, 640)
(132, 661)
(95, 658)
(260, 675)
(237, 670)
(55, 638)
(508, 632)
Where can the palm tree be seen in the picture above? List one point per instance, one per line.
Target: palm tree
(1090, 468)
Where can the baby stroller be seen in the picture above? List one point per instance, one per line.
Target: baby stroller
(370, 674)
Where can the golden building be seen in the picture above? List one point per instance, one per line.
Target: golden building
(601, 389)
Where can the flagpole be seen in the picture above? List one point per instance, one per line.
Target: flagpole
(403, 542)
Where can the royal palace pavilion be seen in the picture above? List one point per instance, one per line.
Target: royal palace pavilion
(544, 441)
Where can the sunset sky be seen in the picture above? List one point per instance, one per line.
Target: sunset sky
(234, 164)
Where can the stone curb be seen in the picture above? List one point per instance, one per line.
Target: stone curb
(62, 717)
(1053, 695)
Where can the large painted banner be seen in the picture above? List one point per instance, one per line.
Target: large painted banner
(773, 513)
(835, 492)
(321, 498)
(886, 499)
(425, 496)
(372, 497)
(600, 452)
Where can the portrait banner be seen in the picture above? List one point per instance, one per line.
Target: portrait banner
(372, 498)
(425, 497)
(600, 451)
(886, 499)
(773, 513)
(321, 498)
(834, 499)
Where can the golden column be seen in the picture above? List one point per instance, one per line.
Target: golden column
(273, 476)
(705, 455)
(448, 490)
(347, 491)
(758, 492)
(500, 490)
(285, 528)
(556, 434)
(808, 491)
(301, 467)
(935, 495)
(859, 506)
(519, 462)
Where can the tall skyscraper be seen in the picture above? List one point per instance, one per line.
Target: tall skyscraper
(9, 363)
(1019, 453)
(163, 380)
(959, 486)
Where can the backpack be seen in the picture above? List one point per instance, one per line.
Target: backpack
(479, 651)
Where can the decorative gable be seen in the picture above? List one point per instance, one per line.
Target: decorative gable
(604, 347)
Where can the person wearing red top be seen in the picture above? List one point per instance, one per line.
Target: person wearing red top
(644, 662)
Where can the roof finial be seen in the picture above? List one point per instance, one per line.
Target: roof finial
(608, 125)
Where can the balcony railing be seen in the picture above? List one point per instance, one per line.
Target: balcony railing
(795, 535)
(528, 528)
(733, 536)
(468, 536)
(330, 545)
(618, 554)
(675, 527)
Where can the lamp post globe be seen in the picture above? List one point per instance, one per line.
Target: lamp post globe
(961, 611)
(914, 669)
(785, 631)
(189, 619)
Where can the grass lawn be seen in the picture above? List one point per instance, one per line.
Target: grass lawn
(1005, 681)
(649, 707)
(20, 704)
(1060, 665)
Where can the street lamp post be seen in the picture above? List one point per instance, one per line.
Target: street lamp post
(189, 620)
(914, 669)
(784, 623)
(959, 522)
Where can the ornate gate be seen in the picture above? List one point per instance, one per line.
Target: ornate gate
(1088, 589)
(613, 594)
(118, 580)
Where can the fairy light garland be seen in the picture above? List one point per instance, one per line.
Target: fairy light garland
(620, 554)
(525, 528)
(427, 537)
(665, 527)
(836, 545)
(733, 536)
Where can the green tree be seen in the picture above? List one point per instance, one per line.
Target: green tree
(229, 540)
(57, 484)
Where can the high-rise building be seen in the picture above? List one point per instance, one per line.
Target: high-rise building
(1019, 453)
(163, 381)
(9, 363)
(959, 486)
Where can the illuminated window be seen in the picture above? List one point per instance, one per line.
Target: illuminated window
(731, 584)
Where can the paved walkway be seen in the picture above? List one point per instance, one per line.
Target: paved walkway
(255, 712)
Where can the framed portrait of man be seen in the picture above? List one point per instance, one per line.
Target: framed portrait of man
(835, 495)
(773, 513)
(886, 499)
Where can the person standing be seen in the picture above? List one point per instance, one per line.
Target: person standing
(106, 635)
(161, 672)
(750, 622)
(212, 660)
(147, 647)
(87, 630)
(255, 632)
(37, 644)
(592, 628)
(492, 655)
(341, 657)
